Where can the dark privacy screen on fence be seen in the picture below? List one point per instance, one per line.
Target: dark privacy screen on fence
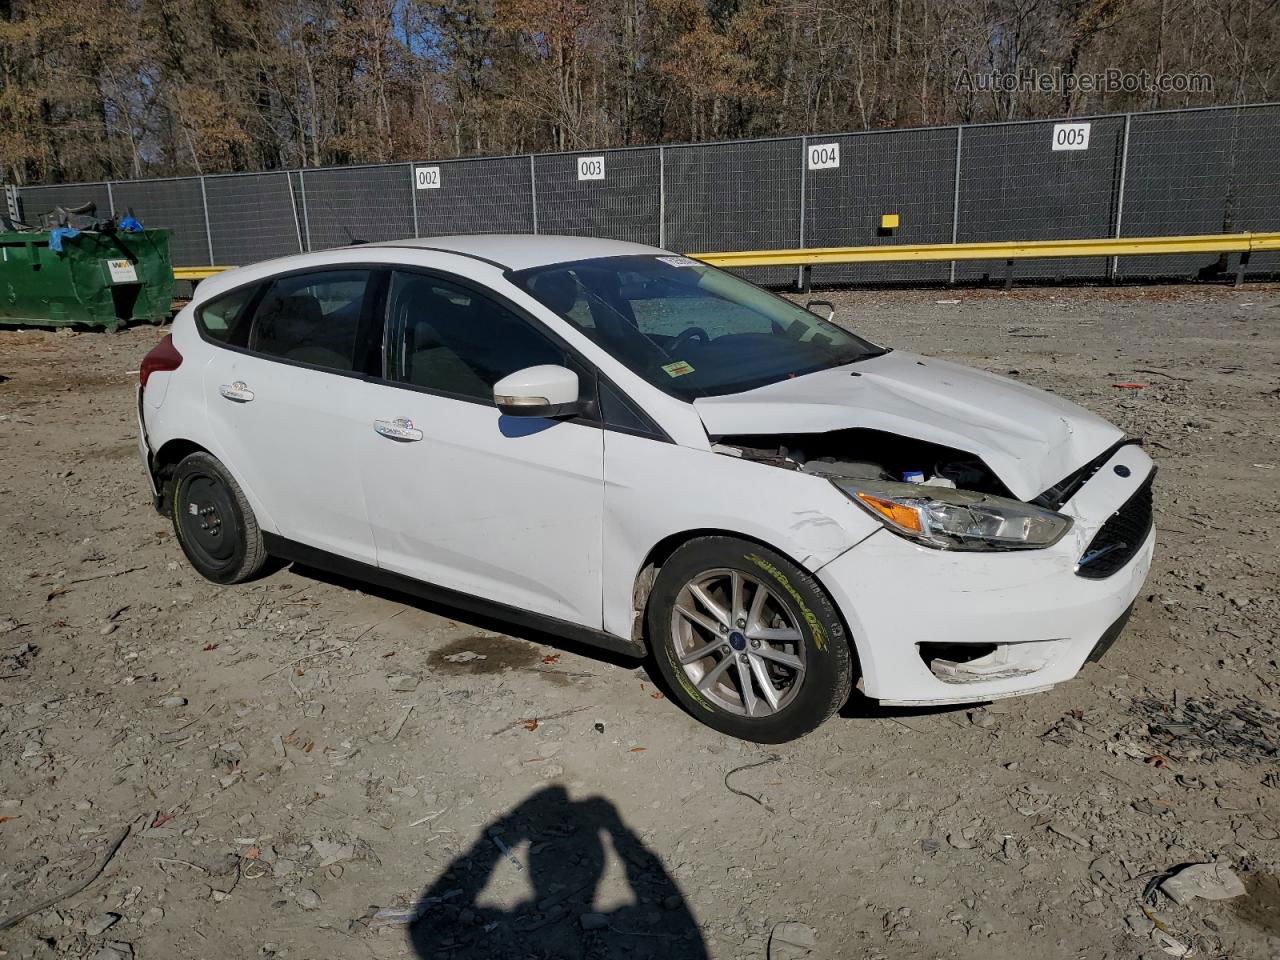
(1154, 174)
(910, 173)
(734, 196)
(476, 196)
(622, 204)
(37, 201)
(344, 206)
(1208, 172)
(175, 204)
(252, 216)
(1014, 186)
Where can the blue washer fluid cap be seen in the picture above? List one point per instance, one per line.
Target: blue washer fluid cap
(913, 476)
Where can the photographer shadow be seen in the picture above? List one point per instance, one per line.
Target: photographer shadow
(565, 857)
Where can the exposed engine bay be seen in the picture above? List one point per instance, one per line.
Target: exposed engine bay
(868, 455)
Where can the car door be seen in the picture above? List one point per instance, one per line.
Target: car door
(283, 402)
(504, 508)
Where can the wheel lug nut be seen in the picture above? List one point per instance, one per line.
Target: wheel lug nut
(742, 624)
(755, 644)
(723, 628)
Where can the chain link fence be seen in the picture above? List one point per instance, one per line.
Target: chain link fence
(1168, 173)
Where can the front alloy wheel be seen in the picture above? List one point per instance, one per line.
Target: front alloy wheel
(747, 641)
(738, 643)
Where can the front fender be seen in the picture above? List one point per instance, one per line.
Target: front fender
(655, 491)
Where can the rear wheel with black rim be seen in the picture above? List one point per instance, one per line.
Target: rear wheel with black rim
(215, 525)
(748, 642)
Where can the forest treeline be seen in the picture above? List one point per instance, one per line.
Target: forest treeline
(93, 89)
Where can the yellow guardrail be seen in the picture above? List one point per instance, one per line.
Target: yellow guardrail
(197, 273)
(1026, 250)
(1243, 243)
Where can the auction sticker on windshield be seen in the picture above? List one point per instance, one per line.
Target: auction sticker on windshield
(677, 369)
(679, 261)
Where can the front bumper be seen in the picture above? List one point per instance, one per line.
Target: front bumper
(1039, 618)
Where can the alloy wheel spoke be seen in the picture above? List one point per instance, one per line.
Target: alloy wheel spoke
(702, 652)
(693, 616)
(711, 676)
(778, 656)
(745, 686)
(709, 603)
(775, 634)
(757, 608)
(736, 599)
(765, 683)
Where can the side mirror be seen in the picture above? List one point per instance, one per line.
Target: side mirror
(831, 308)
(546, 390)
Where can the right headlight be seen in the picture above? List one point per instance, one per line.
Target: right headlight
(956, 519)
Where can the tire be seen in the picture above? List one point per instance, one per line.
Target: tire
(213, 521)
(795, 641)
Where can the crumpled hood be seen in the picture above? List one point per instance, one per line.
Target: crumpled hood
(1029, 438)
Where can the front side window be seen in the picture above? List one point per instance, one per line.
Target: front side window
(689, 329)
(454, 340)
(312, 318)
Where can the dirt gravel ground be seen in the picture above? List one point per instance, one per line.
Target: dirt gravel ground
(305, 765)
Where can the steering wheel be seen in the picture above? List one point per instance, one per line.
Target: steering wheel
(693, 333)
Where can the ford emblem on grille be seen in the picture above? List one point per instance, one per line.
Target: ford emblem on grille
(1122, 470)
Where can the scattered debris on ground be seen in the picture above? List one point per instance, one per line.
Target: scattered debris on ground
(1209, 881)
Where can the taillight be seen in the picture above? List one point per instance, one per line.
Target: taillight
(164, 356)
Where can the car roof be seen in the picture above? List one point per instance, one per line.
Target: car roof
(506, 251)
(520, 251)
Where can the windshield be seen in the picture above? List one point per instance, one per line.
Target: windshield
(690, 329)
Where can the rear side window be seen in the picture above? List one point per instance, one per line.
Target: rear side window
(312, 318)
(217, 318)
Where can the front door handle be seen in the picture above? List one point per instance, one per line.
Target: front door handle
(236, 392)
(400, 429)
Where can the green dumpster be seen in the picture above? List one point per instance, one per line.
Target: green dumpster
(98, 279)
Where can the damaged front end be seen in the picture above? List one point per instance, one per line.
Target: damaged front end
(1013, 628)
(933, 495)
(1019, 524)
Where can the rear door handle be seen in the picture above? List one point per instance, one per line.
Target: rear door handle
(400, 429)
(236, 392)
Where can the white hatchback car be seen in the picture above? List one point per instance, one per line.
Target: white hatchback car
(625, 446)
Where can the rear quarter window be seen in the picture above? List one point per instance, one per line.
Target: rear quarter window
(217, 318)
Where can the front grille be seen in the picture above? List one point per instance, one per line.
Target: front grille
(1120, 537)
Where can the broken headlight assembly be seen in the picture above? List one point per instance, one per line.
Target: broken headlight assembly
(951, 519)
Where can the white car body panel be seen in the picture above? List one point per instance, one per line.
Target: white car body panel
(183, 416)
(558, 517)
(499, 507)
(1015, 597)
(1029, 438)
(655, 490)
(517, 251)
(295, 444)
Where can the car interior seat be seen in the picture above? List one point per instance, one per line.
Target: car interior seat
(290, 326)
(434, 347)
